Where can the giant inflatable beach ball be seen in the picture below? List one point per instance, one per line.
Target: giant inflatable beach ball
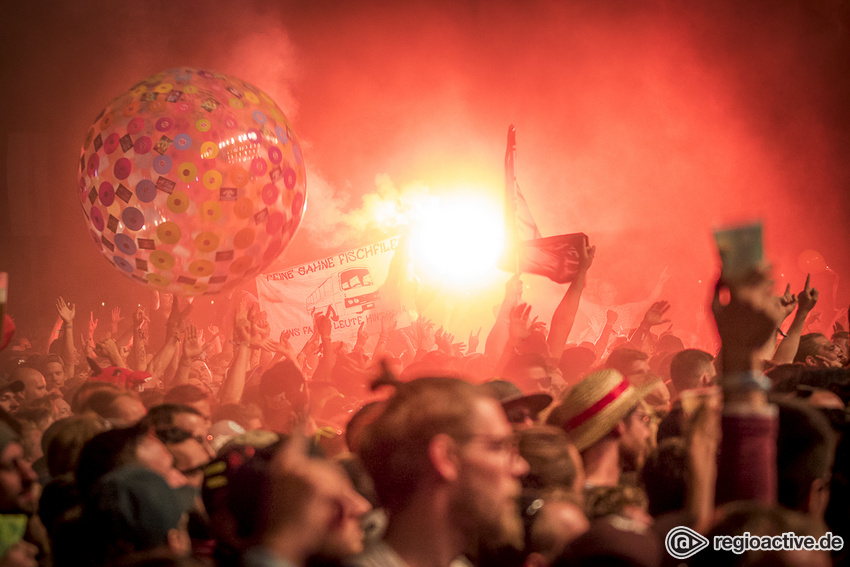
(191, 182)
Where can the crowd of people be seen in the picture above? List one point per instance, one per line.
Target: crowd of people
(225, 446)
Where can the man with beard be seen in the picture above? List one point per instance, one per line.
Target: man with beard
(11, 395)
(446, 469)
(605, 419)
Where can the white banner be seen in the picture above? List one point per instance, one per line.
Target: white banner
(355, 286)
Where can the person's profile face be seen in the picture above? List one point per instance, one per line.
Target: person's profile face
(18, 482)
(488, 482)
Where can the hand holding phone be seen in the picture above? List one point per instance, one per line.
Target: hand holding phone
(741, 251)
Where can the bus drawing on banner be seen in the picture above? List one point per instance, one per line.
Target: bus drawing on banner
(351, 288)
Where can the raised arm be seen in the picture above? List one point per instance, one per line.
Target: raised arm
(88, 338)
(308, 358)
(67, 311)
(702, 434)
(260, 331)
(746, 323)
(519, 329)
(388, 325)
(498, 336)
(326, 363)
(565, 314)
(192, 351)
(233, 385)
(362, 337)
(654, 316)
(605, 336)
(163, 358)
(806, 301)
(282, 349)
(138, 352)
(108, 349)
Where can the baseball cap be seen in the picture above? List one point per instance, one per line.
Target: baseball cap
(136, 505)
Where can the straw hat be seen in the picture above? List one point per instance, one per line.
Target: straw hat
(595, 406)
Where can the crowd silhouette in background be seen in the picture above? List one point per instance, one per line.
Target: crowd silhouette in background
(167, 444)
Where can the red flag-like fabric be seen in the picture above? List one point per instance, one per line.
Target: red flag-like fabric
(555, 257)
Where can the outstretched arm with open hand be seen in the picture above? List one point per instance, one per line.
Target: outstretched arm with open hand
(655, 315)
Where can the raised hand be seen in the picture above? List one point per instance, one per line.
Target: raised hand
(192, 347)
(519, 326)
(788, 301)
(513, 289)
(586, 254)
(474, 340)
(421, 333)
(537, 326)
(107, 348)
(140, 318)
(611, 317)
(750, 316)
(807, 298)
(67, 311)
(426, 335)
(655, 315)
(260, 326)
(312, 345)
(116, 316)
(444, 340)
(284, 347)
(92, 324)
(388, 324)
(241, 324)
(177, 317)
(362, 335)
(323, 326)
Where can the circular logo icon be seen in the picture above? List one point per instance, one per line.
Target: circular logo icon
(683, 542)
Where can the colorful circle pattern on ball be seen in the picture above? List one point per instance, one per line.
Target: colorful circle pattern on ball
(191, 181)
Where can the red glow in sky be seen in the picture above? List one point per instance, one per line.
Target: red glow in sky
(643, 125)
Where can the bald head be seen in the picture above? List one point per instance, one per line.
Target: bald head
(34, 385)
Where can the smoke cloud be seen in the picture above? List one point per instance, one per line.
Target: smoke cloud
(643, 125)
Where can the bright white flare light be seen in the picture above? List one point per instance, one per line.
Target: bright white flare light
(456, 240)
